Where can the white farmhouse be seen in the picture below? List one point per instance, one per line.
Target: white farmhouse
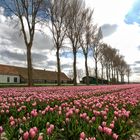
(8, 75)
(7, 78)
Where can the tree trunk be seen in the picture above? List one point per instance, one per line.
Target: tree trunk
(128, 78)
(29, 64)
(112, 74)
(117, 76)
(96, 72)
(87, 73)
(58, 68)
(121, 77)
(107, 74)
(102, 73)
(74, 67)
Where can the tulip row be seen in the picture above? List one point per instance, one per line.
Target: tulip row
(69, 113)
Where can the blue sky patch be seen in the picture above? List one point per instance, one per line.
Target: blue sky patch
(10, 6)
(133, 16)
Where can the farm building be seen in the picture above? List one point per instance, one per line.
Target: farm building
(13, 74)
(92, 80)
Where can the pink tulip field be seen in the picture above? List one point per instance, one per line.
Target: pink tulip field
(69, 113)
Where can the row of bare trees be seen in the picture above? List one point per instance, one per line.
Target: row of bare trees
(114, 65)
(68, 21)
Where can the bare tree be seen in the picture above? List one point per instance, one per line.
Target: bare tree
(27, 12)
(80, 74)
(112, 54)
(114, 64)
(117, 60)
(102, 60)
(128, 72)
(122, 68)
(96, 46)
(111, 60)
(105, 59)
(57, 12)
(74, 22)
(85, 38)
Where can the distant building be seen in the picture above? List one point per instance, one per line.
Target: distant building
(92, 80)
(13, 74)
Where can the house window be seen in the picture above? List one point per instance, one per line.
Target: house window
(15, 79)
(8, 79)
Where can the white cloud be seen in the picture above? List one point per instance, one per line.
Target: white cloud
(12, 45)
(126, 40)
(126, 37)
(109, 11)
(2, 17)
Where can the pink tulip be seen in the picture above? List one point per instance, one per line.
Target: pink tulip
(32, 133)
(1, 129)
(105, 117)
(12, 123)
(107, 130)
(59, 112)
(67, 120)
(34, 113)
(93, 119)
(2, 111)
(49, 131)
(43, 112)
(0, 99)
(103, 124)
(40, 137)
(35, 129)
(84, 115)
(100, 128)
(47, 124)
(7, 111)
(77, 111)
(24, 119)
(90, 121)
(112, 125)
(115, 136)
(87, 118)
(26, 135)
(11, 118)
(82, 135)
(51, 109)
(52, 126)
(127, 113)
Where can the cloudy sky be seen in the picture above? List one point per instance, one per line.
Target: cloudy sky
(120, 22)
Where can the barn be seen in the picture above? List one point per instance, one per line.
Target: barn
(14, 74)
(92, 80)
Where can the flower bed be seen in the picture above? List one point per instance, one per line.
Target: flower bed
(69, 113)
